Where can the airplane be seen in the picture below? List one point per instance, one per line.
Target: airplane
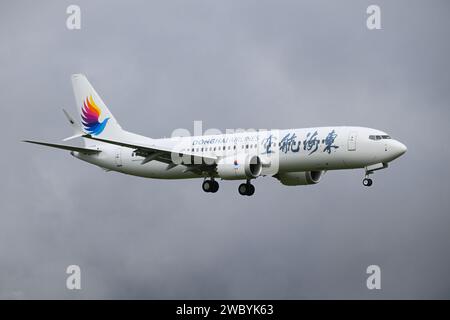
(294, 156)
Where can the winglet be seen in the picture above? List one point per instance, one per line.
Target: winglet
(75, 125)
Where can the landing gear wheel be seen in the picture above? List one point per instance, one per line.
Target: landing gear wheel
(215, 185)
(210, 186)
(367, 182)
(243, 189)
(251, 190)
(207, 186)
(246, 189)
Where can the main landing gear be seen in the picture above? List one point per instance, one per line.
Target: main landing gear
(246, 189)
(210, 186)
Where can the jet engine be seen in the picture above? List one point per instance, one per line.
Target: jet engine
(239, 167)
(299, 178)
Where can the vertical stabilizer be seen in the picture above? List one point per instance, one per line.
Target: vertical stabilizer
(95, 117)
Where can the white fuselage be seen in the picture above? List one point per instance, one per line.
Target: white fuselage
(292, 150)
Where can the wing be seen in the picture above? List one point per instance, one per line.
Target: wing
(65, 147)
(197, 162)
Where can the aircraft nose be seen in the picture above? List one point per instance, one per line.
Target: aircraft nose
(399, 148)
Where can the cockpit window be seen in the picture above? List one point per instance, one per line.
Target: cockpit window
(377, 137)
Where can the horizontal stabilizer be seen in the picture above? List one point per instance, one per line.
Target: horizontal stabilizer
(65, 147)
(74, 137)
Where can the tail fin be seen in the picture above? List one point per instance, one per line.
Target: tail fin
(96, 119)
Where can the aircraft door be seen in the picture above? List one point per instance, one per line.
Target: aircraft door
(352, 140)
(118, 157)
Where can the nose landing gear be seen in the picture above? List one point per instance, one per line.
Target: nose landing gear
(210, 186)
(367, 182)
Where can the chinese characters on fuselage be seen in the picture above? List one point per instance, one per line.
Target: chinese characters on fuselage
(311, 143)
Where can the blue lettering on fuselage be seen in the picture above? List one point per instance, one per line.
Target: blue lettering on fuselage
(289, 143)
(329, 140)
(311, 143)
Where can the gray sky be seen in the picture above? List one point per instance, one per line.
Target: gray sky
(160, 65)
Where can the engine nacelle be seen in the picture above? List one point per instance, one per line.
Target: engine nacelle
(240, 167)
(299, 178)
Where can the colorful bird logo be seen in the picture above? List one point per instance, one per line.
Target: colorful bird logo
(90, 114)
